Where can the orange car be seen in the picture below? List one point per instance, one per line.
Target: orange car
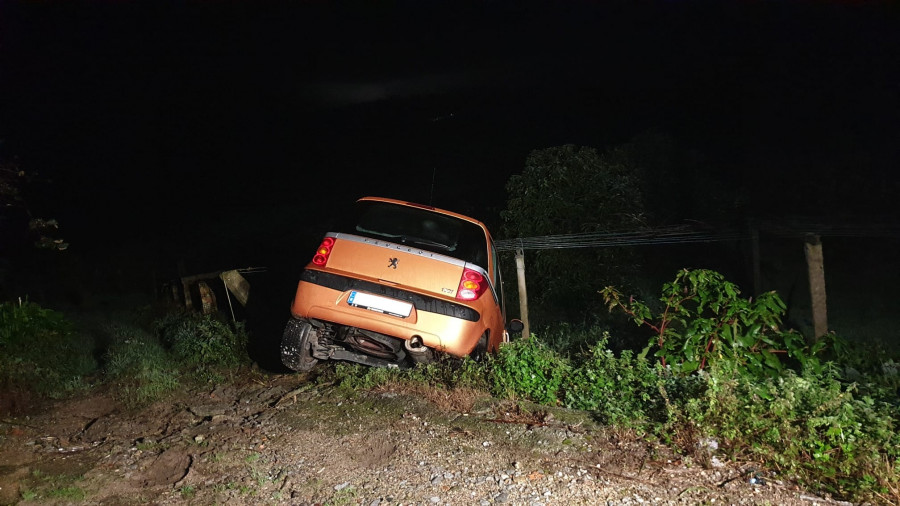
(398, 284)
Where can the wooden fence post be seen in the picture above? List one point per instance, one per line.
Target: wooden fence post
(523, 296)
(815, 265)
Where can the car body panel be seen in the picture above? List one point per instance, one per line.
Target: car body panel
(395, 264)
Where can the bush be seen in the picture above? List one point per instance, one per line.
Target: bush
(527, 368)
(204, 343)
(704, 320)
(806, 425)
(42, 351)
(620, 391)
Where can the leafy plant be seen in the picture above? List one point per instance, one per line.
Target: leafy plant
(623, 390)
(204, 343)
(704, 320)
(808, 425)
(529, 369)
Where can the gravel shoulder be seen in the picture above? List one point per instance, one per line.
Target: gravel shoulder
(284, 439)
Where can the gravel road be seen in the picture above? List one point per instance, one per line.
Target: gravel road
(282, 439)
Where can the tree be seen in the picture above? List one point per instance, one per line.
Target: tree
(13, 182)
(567, 190)
(11, 179)
(18, 228)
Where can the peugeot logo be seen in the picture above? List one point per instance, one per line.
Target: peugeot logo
(392, 262)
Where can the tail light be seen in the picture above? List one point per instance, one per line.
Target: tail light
(471, 285)
(321, 256)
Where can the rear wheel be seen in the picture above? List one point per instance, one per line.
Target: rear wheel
(480, 350)
(296, 353)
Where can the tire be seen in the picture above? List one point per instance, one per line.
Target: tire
(480, 350)
(296, 353)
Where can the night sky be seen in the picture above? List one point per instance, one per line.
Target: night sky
(225, 133)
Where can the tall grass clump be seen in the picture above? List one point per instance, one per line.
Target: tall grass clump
(138, 366)
(445, 374)
(449, 383)
(571, 340)
(42, 351)
(145, 365)
(204, 344)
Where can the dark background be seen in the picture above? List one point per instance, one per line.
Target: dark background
(223, 135)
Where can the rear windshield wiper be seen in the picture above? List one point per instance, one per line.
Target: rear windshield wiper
(426, 242)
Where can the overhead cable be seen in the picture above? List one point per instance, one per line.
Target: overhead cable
(686, 235)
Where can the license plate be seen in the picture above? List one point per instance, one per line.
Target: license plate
(379, 304)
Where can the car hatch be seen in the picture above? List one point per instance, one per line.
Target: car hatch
(396, 264)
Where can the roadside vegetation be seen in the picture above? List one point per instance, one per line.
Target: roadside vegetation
(713, 374)
(44, 354)
(719, 378)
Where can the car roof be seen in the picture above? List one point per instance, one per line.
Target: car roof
(428, 207)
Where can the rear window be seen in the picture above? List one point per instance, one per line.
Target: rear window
(419, 228)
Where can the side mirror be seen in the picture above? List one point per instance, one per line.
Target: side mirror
(515, 326)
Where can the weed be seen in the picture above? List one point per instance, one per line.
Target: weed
(623, 390)
(140, 367)
(150, 446)
(67, 493)
(187, 492)
(42, 351)
(728, 381)
(344, 496)
(529, 369)
(704, 319)
(259, 476)
(809, 425)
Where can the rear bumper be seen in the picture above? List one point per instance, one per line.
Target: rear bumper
(443, 325)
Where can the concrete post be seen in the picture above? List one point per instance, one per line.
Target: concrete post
(523, 296)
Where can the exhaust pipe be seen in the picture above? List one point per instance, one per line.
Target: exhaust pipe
(418, 351)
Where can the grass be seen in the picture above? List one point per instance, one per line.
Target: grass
(181, 349)
(343, 497)
(41, 351)
(187, 492)
(53, 486)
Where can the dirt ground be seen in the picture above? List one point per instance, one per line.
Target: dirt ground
(285, 439)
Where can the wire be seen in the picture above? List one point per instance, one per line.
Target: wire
(687, 235)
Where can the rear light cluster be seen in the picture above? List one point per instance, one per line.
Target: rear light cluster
(471, 285)
(321, 257)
